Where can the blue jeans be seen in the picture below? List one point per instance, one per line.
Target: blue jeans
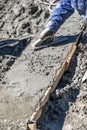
(63, 10)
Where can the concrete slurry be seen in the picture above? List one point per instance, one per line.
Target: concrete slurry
(32, 73)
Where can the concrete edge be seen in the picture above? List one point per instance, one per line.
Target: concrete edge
(31, 125)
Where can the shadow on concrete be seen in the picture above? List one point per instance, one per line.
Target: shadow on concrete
(59, 41)
(13, 47)
(8, 54)
(68, 40)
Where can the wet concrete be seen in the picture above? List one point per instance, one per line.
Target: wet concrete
(31, 74)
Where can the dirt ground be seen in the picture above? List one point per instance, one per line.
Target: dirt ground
(67, 107)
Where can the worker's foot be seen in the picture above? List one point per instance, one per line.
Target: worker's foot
(45, 37)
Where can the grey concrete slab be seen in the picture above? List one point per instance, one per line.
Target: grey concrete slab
(33, 72)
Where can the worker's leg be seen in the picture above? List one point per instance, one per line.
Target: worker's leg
(62, 11)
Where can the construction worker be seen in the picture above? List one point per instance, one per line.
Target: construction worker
(63, 10)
